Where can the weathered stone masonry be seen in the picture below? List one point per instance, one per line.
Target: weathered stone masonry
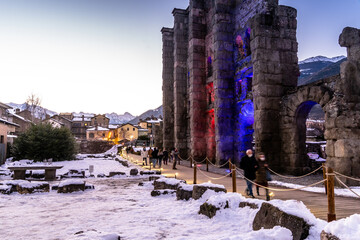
(230, 73)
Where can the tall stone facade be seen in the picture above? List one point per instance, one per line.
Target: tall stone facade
(230, 80)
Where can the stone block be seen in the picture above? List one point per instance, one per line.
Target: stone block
(134, 172)
(208, 210)
(199, 190)
(328, 236)
(155, 193)
(349, 37)
(247, 204)
(269, 216)
(112, 174)
(70, 186)
(184, 192)
(33, 187)
(167, 183)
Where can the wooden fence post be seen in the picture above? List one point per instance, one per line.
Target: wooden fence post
(230, 164)
(194, 174)
(233, 173)
(330, 195)
(207, 164)
(191, 162)
(324, 176)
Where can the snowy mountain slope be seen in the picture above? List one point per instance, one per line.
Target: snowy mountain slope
(155, 112)
(119, 118)
(39, 111)
(322, 59)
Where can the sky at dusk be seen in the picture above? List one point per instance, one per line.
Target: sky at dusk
(104, 56)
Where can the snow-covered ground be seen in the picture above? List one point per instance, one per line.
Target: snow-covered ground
(118, 206)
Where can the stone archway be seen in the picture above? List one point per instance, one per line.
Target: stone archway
(295, 109)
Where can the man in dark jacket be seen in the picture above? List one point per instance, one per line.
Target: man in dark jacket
(249, 165)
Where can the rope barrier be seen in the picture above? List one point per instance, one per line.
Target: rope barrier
(296, 177)
(220, 165)
(184, 159)
(213, 177)
(346, 186)
(280, 189)
(200, 161)
(355, 179)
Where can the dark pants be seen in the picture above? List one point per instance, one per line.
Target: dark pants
(145, 161)
(165, 160)
(249, 186)
(174, 164)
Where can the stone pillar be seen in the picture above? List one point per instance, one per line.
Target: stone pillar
(223, 72)
(275, 65)
(180, 80)
(197, 74)
(342, 122)
(168, 87)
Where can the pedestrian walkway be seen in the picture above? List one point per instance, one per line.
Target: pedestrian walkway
(316, 202)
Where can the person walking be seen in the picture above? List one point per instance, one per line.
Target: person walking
(261, 177)
(165, 156)
(150, 152)
(160, 157)
(155, 156)
(144, 155)
(175, 155)
(249, 165)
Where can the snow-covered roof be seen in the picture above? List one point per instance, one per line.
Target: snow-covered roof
(154, 121)
(18, 116)
(143, 130)
(9, 123)
(86, 115)
(98, 129)
(80, 119)
(113, 126)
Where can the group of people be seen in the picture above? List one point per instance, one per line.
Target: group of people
(159, 156)
(255, 169)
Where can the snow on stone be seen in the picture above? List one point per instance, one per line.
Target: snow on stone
(207, 184)
(71, 182)
(186, 187)
(170, 181)
(346, 228)
(27, 184)
(313, 156)
(275, 233)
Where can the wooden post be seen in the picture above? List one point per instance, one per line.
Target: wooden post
(194, 174)
(207, 164)
(191, 162)
(330, 195)
(324, 176)
(230, 164)
(150, 163)
(233, 173)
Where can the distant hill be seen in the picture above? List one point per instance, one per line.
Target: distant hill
(39, 111)
(116, 119)
(155, 112)
(316, 68)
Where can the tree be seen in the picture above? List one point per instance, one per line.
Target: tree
(43, 141)
(32, 103)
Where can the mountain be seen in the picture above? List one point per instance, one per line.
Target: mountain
(155, 112)
(116, 119)
(316, 68)
(39, 111)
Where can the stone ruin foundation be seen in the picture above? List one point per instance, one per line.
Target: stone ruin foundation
(230, 71)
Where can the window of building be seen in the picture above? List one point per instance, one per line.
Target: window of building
(91, 135)
(2, 139)
(103, 134)
(128, 129)
(133, 129)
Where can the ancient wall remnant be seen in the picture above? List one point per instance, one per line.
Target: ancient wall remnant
(230, 71)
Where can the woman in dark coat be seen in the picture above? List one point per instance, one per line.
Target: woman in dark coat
(261, 174)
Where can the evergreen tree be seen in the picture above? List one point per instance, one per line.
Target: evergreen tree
(43, 141)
